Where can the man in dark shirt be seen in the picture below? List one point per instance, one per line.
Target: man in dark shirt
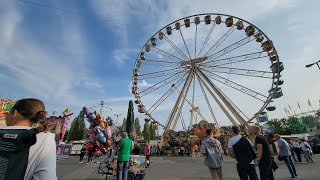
(241, 149)
(264, 156)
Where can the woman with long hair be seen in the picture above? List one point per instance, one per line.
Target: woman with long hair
(26, 114)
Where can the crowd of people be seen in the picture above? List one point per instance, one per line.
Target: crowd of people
(242, 150)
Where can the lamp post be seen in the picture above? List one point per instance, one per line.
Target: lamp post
(317, 63)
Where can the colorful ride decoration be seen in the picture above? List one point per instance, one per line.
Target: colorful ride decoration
(60, 124)
(99, 132)
(5, 107)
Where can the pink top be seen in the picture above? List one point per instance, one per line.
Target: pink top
(146, 150)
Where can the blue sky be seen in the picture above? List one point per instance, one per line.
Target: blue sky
(69, 60)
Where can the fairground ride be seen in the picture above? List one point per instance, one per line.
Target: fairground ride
(205, 67)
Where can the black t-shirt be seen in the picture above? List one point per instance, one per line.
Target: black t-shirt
(266, 155)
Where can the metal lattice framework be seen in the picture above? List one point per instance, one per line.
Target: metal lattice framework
(202, 64)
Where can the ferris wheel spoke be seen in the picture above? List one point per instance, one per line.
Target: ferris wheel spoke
(235, 110)
(208, 103)
(237, 86)
(230, 48)
(158, 73)
(220, 41)
(240, 71)
(166, 54)
(217, 101)
(207, 38)
(165, 96)
(185, 44)
(160, 63)
(183, 55)
(195, 42)
(160, 84)
(236, 59)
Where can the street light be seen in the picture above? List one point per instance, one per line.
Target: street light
(317, 63)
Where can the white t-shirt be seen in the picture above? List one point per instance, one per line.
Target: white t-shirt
(305, 146)
(42, 157)
(234, 140)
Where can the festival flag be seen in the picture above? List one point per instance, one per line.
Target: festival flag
(309, 102)
(298, 104)
(289, 107)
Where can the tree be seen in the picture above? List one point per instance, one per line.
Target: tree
(146, 131)
(78, 128)
(295, 126)
(152, 133)
(82, 125)
(124, 124)
(137, 126)
(310, 121)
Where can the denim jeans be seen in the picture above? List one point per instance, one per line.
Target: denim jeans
(291, 167)
(122, 170)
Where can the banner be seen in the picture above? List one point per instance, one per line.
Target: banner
(60, 125)
(5, 107)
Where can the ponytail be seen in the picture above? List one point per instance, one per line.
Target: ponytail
(42, 124)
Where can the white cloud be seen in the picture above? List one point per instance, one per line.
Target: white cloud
(41, 72)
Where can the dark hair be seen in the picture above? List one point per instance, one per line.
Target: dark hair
(208, 132)
(302, 140)
(235, 129)
(33, 110)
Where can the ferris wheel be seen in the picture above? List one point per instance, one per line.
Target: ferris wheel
(207, 67)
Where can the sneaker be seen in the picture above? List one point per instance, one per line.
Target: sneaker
(87, 163)
(80, 162)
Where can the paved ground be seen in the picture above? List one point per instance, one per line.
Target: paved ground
(178, 168)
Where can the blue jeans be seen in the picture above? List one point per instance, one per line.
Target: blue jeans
(292, 169)
(122, 170)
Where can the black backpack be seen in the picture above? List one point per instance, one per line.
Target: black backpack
(14, 152)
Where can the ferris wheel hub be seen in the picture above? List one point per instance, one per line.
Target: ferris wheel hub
(194, 61)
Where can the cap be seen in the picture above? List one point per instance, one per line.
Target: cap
(124, 134)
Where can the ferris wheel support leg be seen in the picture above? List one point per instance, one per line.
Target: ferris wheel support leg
(174, 110)
(183, 101)
(218, 102)
(225, 100)
(192, 105)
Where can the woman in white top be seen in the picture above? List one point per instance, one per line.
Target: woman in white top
(42, 155)
(306, 148)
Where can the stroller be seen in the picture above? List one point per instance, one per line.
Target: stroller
(136, 170)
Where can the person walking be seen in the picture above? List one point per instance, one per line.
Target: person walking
(82, 153)
(264, 158)
(147, 153)
(90, 155)
(124, 148)
(153, 150)
(196, 149)
(241, 149)
(297, 149)
(306, 149)
(211, 149)
(285, 154)
(292, 150)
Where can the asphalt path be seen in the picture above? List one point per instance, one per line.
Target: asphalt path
(179, 168)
